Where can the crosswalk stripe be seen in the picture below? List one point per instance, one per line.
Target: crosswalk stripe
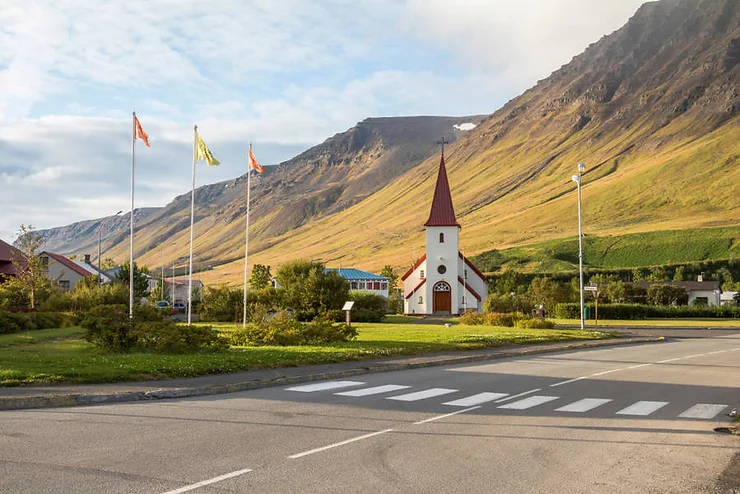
(373, 391)
(583, 405)
(530, 402)
(422, 395)
(702, 411)
(475, 399)
(310, 388)
(642, 408)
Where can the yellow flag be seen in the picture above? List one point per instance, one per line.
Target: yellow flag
(203, 153)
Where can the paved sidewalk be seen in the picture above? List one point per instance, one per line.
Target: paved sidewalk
(91, 394)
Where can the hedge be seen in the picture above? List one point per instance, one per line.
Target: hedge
(639, 311)
(15, 322)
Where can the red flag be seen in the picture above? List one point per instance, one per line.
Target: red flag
(140, 134)
(253, 163)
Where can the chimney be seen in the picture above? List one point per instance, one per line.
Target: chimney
(87, 258)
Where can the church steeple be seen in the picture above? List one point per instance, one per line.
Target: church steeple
(442, 213)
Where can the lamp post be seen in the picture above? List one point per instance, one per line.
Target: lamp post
(577, 180)
(100, 239)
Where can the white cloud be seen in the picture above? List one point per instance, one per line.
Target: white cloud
(465, 127)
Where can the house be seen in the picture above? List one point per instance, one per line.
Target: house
(89, 266)
(362, 280)
(64, 271)
(8, 254)
(176, 291)
(443, 281)
(727, 298)
(700, 292)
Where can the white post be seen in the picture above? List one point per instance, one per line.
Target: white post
(131, 233)
(173, 284)
(192, 216)
(577, 179)
(246, 243)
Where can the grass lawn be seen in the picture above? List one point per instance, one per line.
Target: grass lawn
(61, 355)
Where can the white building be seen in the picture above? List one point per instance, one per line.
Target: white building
(443, 281)
(64, 271)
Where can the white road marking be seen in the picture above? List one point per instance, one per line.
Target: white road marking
(519, 395)
(606, 372)
(341, 443)
(530, 402)
(310, 388)
(669, 360)
(475, 399)
(422, 395)
(567, 382)
(642, 408)
(718, 351)
(638, 366)
(373, 391)
(444, 416)
(209, 481)
(583, 405)
(702, 411)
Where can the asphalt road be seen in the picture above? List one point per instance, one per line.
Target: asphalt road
(633, 419)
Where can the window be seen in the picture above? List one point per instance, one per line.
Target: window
(63, 283)
(383, 285)
(421, 299)
(376, 285)
(45, 261)
(421, 273)
(441, 238)
(441, 287)
(441, 269)
(353, 285)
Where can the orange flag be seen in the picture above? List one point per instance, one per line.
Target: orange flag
(140, 134)
(253, 163)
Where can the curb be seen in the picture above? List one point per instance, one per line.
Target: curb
(87, 399)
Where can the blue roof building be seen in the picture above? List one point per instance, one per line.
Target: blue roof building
(363, 280)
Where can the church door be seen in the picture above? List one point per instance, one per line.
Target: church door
(442, 298)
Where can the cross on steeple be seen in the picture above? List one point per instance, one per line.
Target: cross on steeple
(443, 141)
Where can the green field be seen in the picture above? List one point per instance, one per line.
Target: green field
(623, 251)
(61, 355)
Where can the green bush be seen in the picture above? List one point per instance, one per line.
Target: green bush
(283, 330)
(109, 328)
(368, 307)
(638, 311)
(472, 318)
(84, 298)
(14, 322)
(169, 337)
(505, 320)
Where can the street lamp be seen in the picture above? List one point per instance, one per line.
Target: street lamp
(577, 180)
(100, 239)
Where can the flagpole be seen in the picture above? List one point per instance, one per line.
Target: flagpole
(246, 241)
(131, 223)
(192, 215)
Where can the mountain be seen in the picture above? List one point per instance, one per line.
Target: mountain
(651, 109)
(325, 179)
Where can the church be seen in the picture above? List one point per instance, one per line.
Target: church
(443, 281)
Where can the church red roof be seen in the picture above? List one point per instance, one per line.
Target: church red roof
(442, 213)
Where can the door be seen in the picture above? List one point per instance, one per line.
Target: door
(442, 298)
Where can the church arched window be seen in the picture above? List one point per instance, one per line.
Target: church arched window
(421, 273)
(421, 299)
(441, 238)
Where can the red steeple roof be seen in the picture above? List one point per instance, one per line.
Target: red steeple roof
(442, 213)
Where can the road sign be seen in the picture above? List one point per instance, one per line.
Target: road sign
(591, 288)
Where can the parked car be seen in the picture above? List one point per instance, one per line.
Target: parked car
(162, 304)
(179, 307)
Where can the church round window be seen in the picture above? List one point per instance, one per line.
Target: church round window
(442, 269)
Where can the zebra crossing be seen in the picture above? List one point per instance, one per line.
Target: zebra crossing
(701, 411)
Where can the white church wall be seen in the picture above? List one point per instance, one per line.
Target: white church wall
(443, 254)
(413, 305)
(480, 286)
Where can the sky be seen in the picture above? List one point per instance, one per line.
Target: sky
(282, 74)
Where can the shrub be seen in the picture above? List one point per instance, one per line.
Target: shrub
(368, 307)
(638, 311)
(283, 330)
(110, 328)
(169, 337)
(84, 298)
(11, 322)
(472, 318)
(224, 304)
(500, 319)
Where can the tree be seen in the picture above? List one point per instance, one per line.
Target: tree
(667, 295)
(260, 278)
(107, 264)
(141, 285)
(31, 278)
(679, 274)
(387, 271)
(307, 288)
(546, 292)
(616, 292)
(395, 302)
